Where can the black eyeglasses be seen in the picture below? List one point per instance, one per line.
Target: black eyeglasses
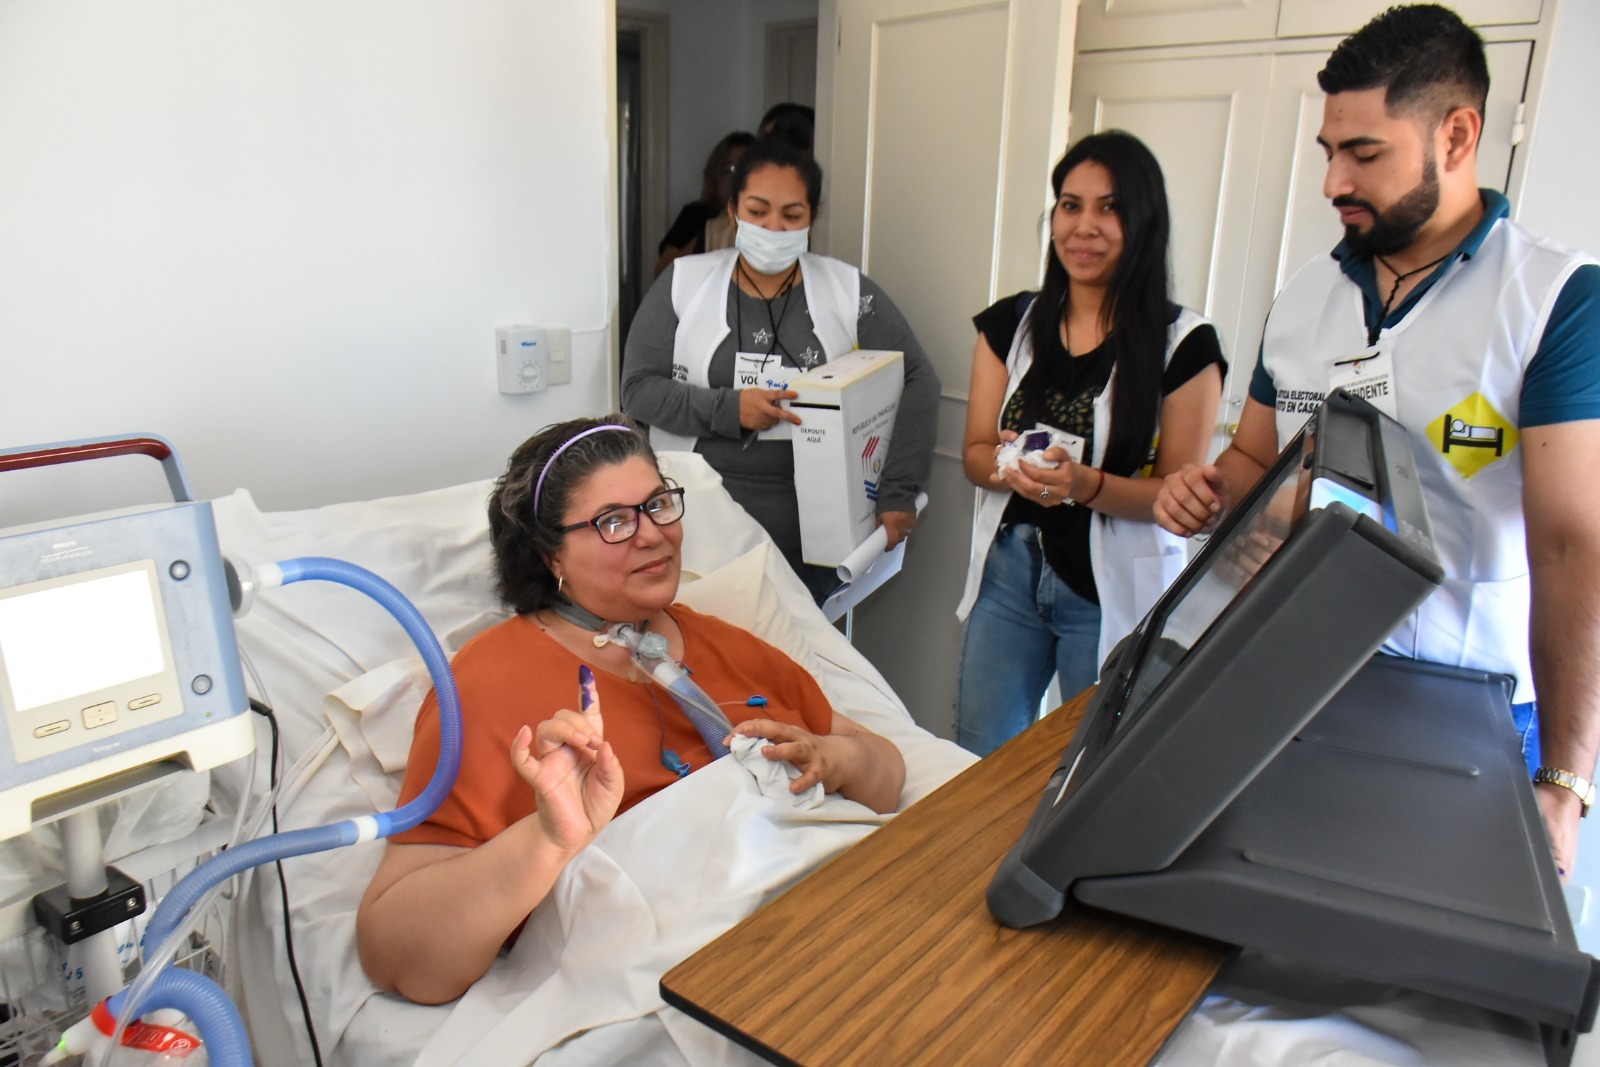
(619, 524)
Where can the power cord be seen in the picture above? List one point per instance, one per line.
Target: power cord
(283, 885)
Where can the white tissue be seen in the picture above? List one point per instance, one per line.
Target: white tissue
(773, 776)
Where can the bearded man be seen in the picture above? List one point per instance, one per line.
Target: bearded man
(1483, 340)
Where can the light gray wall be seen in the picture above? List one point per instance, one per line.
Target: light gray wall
(281, 233)
(1564, 140)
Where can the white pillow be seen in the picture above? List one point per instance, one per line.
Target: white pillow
(716, 529)
(740, 592)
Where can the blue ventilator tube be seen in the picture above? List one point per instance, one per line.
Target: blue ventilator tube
(197, 996)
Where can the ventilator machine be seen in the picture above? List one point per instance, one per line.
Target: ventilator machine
(118, 668)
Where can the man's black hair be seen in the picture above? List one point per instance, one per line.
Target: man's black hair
(1427, 60)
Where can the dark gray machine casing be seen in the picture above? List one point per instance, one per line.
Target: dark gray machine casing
(1392, 836)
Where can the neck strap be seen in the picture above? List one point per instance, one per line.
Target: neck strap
(578, 615)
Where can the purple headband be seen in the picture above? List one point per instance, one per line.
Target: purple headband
(574, 439)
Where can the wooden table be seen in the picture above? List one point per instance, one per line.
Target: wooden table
(888, 955)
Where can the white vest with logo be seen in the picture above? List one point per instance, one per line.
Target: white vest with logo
(700, 299)
(1459, 358)
(1144, 558)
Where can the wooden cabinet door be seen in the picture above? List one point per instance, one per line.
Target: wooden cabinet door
(1104, 24)
(1204, 119)
(1308, 18)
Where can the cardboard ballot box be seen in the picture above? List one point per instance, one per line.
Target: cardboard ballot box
(846, 408)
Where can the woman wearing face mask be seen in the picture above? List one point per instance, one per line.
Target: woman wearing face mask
(1066, 558)
(770, 306)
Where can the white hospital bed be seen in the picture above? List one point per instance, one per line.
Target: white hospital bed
(580, 985)
(662, 880)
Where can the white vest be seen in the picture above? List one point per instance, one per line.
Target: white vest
(1459, 358)
(1143, 558)
(700, 299)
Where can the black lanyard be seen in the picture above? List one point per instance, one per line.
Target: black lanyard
(1383, 316)
(786, 290)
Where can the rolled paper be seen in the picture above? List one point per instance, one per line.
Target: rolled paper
(869, 551)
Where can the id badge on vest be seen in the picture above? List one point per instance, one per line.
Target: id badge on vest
(1369, 375)
(760, 370)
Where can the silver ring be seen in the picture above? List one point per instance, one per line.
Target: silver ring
(1044, 494)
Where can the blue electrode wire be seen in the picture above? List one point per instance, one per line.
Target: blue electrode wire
(197, 996)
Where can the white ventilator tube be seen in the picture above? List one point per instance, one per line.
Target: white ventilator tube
(650, 654)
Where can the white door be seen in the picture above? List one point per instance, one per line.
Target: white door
(940, 126)
(1142, 23)
(1203, 118)
(1307, 18)
(1293, 221)
(1236, 137)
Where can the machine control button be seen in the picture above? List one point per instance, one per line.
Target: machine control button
(51, 728)
(179, 570)
(99, 714)
(144, 702)
(201, 684)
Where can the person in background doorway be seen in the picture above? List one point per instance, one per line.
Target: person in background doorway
(795, 123)
(1066, 558)
(770, 305)
(1481, 331)
(702, 225)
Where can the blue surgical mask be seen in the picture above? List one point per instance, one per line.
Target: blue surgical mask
(770, 251)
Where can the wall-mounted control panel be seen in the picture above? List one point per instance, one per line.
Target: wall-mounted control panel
(530, 359)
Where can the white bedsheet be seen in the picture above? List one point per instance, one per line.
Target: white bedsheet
(1263, 1012)
(657, 884)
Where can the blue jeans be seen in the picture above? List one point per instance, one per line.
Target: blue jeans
(1525, 718)
(1027, 623)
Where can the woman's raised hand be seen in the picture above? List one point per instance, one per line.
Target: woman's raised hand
(575, 775)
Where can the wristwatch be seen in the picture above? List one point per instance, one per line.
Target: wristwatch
(1567, 780)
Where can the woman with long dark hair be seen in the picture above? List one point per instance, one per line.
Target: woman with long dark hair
(702, 224)
(1065, 554)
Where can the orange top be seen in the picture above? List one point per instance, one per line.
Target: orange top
(514, 674)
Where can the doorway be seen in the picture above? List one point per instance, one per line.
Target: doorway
(641, 155)
(730, 60)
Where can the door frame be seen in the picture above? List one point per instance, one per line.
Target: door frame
(652, 30)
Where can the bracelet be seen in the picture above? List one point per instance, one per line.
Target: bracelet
(1567, 780)
(1086, 501)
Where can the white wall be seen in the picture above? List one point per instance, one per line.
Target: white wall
(1563, 152)
(281, 232)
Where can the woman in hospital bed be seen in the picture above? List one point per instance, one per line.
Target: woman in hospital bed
(584, 531)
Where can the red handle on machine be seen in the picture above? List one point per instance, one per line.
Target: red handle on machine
(152, 445)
